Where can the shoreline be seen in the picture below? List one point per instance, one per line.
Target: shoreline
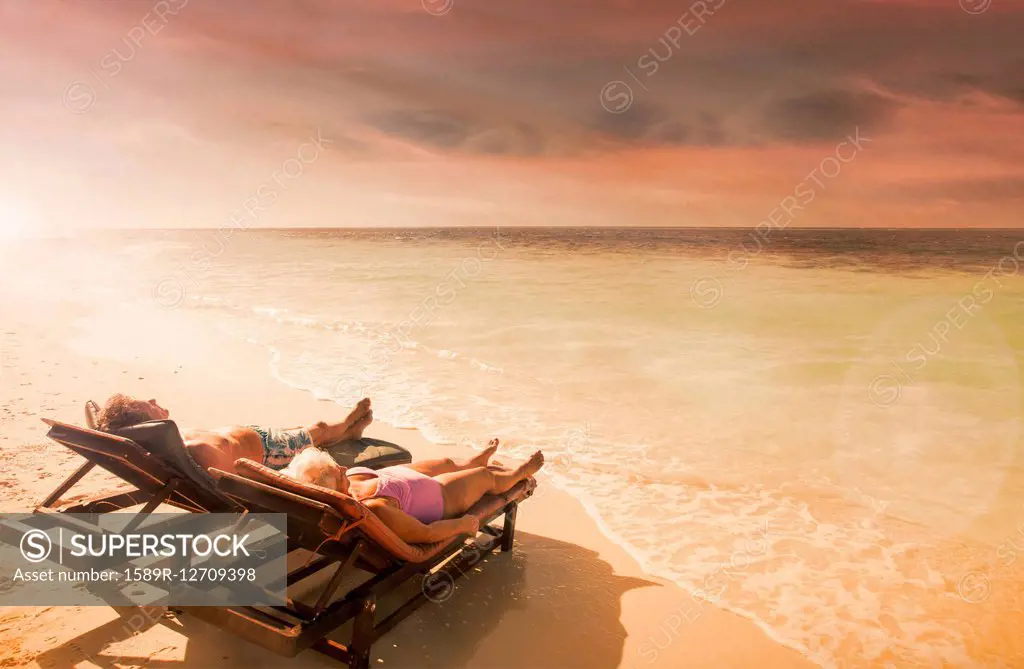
(435, 449)
(566, 583)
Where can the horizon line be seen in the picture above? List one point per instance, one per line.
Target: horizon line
(552, 227)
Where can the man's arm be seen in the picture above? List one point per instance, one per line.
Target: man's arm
(413, 531)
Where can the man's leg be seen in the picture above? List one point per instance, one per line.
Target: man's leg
(448, 465)
(464, 488)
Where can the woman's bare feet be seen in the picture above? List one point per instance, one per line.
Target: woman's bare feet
(531, 466)
(483, 458)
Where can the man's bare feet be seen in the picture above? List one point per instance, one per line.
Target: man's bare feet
(483, 458)
(356, 431)
(324, 434)
(357, 420)
(531, 466)
(360, 409)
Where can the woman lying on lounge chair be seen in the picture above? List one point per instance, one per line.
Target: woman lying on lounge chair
(421, 502)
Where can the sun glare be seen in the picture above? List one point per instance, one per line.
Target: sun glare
(14, 221)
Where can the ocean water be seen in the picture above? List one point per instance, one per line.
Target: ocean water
(819, 430)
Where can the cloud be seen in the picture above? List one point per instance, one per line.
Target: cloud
(659, 126)
(518, 139)
(816, 116)
(826, 115)
(457, 131)
(958, 82)
(432, 127)
(995, 189)
(501, 104)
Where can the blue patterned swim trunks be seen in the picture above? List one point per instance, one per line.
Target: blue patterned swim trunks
(280, 446)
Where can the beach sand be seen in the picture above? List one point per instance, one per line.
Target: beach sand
(568, 596)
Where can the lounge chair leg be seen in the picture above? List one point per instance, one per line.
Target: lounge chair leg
(508, 534)
(362, 635)
(151, 506)
(79, 474)
(332, 585)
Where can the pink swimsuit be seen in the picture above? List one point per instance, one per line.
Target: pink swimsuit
(417, 494)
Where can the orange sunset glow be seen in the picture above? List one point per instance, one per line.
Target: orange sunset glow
(466, 113)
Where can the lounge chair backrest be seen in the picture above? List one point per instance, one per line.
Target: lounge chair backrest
(344, 517)
(348, 507)
(92, 414)
(388, 544)
(163, 439)
(121, 457)
(140, 465)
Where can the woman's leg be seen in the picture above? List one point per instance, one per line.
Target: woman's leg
(448, 465)
(463, 489)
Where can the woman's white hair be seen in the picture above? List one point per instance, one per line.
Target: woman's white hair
(315, 466)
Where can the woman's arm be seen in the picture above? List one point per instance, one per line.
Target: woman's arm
(413, 531)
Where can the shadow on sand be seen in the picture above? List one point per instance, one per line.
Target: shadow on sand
(548, 604)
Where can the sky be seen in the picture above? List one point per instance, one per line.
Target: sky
(211, 113)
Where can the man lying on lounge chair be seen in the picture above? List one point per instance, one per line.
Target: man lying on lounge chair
(421, 502)
(220, 448)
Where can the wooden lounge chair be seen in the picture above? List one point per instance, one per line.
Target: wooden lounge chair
(152, 458)
(331, 528)
(340, 531)
(153, 477)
